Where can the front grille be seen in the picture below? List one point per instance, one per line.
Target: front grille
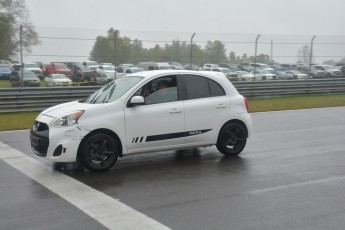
(40, 126)
(39, 138)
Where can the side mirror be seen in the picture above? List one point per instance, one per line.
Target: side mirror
(137, 100)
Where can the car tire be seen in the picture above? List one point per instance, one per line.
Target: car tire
(99, 152)
(232, 139)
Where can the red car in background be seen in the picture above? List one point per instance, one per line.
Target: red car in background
(58, 67)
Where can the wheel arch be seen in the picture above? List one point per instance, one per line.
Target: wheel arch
(106, 131)
(237, 122)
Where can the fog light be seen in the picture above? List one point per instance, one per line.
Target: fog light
(58, 151)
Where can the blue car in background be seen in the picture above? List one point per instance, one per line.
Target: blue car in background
(5, 72)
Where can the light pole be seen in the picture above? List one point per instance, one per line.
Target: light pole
(256, 49)
(115, 37)
(21, 54)
(311, 53)
(271, 50)
(191, 51)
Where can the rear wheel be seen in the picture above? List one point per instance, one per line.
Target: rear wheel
(232, 139)
(99, 152)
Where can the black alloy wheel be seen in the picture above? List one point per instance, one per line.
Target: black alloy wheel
(232, 139)
(99, 152)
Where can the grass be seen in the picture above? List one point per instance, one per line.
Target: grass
(7, 84)
(24, 120)
(296, 102)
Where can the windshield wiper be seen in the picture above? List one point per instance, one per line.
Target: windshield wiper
(110, 94)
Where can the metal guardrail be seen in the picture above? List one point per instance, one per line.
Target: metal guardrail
(38, 99)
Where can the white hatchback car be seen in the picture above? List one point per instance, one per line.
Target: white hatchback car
(136, 114)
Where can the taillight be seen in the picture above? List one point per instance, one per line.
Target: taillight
(246, 102)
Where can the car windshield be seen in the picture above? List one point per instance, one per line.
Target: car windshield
(5, 68)
(112, 91)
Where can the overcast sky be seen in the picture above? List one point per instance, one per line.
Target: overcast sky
(278, 17)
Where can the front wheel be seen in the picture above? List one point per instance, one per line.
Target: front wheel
(232, 139)
(99, 152)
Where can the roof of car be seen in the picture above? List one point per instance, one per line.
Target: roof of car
(161, 72)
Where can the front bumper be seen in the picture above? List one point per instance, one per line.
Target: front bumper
(57, 144)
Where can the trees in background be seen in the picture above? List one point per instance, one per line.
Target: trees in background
(119, 49)
(14, 14)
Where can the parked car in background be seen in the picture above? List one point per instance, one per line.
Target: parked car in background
(208, 66)
(191, 67)
(57, 79)
(58, 67)
(281, 74)
(107, 64)
(227, 72)
(82, 73)
(35, 68)
(122, 66)
(5, 71)
(132, 70)
(246, 67)
(330, 71)
(109, 71)
(101, 79)
(296, 75)
(5, 62)
(233, 67)
(261, 66)
(91, 64)
(245, 76)
(154, 65)
(312, 72)
(288, 66)
(176, 65)
(28, 79)
(264, 75)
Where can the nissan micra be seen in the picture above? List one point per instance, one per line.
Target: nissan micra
(144, 112)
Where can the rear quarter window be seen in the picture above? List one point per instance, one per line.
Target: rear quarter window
(202, 87)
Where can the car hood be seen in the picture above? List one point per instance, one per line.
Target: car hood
(65, 108)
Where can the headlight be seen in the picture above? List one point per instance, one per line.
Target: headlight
(68, 119)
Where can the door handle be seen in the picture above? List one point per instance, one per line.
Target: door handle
(221, 106)
(175, 111)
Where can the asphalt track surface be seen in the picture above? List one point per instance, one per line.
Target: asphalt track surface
(291, 175)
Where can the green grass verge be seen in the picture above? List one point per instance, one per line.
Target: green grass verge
(7, 84)
(24, 120)
(295, 102)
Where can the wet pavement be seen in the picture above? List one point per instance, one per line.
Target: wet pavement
(290, 176)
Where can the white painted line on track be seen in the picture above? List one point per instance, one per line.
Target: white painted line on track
(298, 185)
(106, 210)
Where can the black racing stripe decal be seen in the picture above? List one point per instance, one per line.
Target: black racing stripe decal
(175, 135)
(196, 132)
(165, 136)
